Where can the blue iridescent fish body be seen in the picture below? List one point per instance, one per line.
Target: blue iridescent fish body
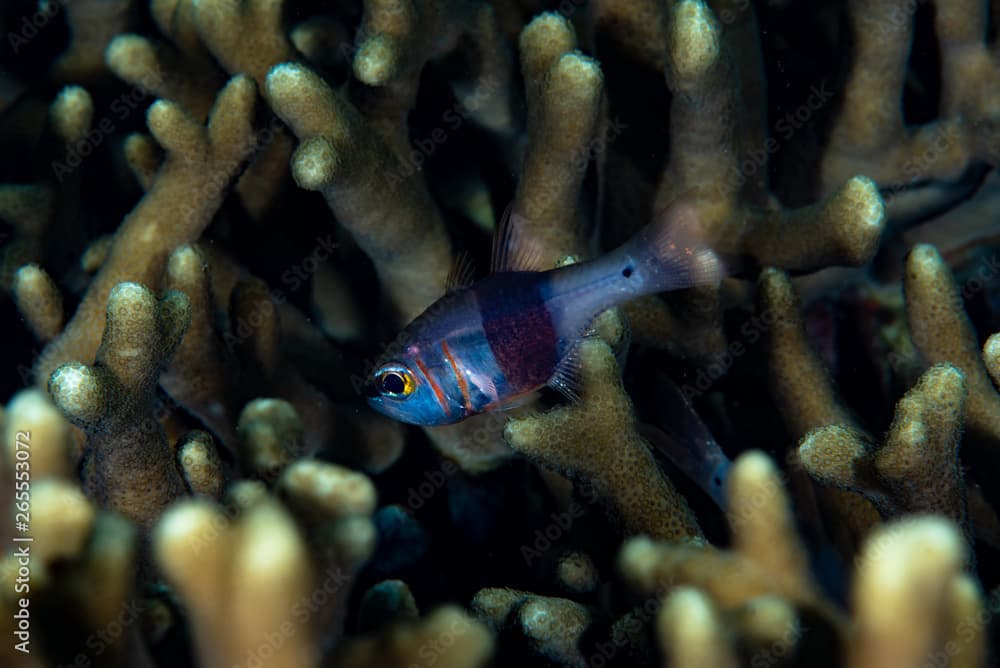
(484, 347)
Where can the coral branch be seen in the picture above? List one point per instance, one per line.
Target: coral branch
(39, 301)
(596, 441)
(564, 91)
(917, 469)
(942, 332)
(241, 581)
(200, 165)
(391, 216)
(905, 572)
(200, 373)
(691, 632)
(129, 467)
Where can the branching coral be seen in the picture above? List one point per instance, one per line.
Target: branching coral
(718, 161)
(906, 570)
(706, 123)
(805, 394)
(129, 465)
(553, 626)
(450, 636)
(942, 333)
(199, 166)
(256, 337)
(916, 470)
(395, 42)
(187, 74)
(261, 559)
(564, 92)
(39, 300)
(246, 583)
(344, 158)
(55, 452)
(800, 384)
(93, 24)
(597, 441)
(691, 632)
(270, 436)
(200, 373)
(183, 74)
(246, 37)
(200, 465)
(28, 209)
(910, 596)
(870, 135)
(764, 540)
(991, 355)
(334, 507)
(81, 569)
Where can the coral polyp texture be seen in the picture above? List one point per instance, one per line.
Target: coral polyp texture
(216, 216)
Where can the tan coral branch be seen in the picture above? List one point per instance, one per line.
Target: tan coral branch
(200, 166)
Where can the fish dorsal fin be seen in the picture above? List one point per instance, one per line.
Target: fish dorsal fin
(462, 273)
(512, 249)
(568, 376)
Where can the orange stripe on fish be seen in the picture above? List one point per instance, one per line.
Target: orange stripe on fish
(434, 386)
(462, 385)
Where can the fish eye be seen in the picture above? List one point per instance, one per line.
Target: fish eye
(395, 382)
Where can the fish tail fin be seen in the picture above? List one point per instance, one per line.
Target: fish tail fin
(671, 253)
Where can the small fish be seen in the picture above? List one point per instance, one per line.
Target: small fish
(491, 345)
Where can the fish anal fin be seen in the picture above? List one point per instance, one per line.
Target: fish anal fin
(515, 401)
(462, 273)
(512, 249)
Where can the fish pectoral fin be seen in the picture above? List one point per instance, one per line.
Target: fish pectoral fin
(512, 249)
(462, 274)
(567, 379)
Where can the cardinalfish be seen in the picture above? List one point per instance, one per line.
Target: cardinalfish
(490, 345)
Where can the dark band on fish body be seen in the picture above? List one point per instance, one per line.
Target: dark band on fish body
(518, 327)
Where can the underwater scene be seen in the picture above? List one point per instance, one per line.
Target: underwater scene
(468, 333)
